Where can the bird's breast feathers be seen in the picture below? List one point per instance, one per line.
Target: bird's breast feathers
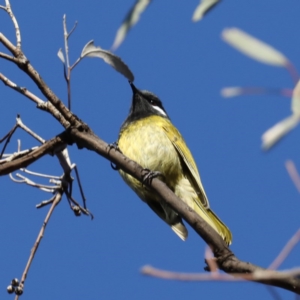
(154, 143)
(145, 141)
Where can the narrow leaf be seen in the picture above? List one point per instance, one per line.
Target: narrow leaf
(296, 99)
(253, 47)
(130, 20)
(275, 133)
(90, 50)
(203, 8)
(61, 56)
(231, 92)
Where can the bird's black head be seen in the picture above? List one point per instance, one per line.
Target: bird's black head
(144, 104)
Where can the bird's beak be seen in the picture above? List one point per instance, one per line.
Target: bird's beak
(134, 89)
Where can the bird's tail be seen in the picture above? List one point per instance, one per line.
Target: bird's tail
(180, 230)
(213, 220)
(222, 229)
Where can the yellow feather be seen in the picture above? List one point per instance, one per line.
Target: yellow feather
(156, 144)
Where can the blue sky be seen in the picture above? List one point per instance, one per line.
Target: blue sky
(186, 64)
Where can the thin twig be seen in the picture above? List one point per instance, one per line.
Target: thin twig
(211, 261)
(257, 276)
(285, 251)
(39, 174)
(43, 187)
(68, 73)
(71, 188)
(8, 44)
(56, 182)
(72, 200)
(273, 292)
(27, 157)
(80, 187)
(66, 40)
(65, 161)
(45, 202)
(7, 137)
(46, 106)
(72, 30)
(69, 89)
(293, 72)
(291, 168)
(15, 22)
(67, 117)
(76, 63)
(7, 57)
(21, 90)
(57, 199)
(154, 272)
(29, 131)
(11, 157)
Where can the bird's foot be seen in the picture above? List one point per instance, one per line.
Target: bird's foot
(114, 167)
(149, 175)
(115, 146)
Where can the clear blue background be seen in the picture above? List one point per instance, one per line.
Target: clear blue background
(185, 64)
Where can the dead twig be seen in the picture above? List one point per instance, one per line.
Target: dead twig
(56, 200)
(285, 251)
(291, 168)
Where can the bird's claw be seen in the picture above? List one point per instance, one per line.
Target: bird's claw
(114, 167)
(149, 175)
(115, 146)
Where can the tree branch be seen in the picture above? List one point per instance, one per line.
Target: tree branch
(226, 260)
(46, 106)
(49, 147)
(55, 201)
(23, 63)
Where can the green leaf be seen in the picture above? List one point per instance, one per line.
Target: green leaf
(275, 133)
(296, 99)
(90, 50)
(203, 8)
(61, 56)
(131, 19)
(253, 47)
(229, 92)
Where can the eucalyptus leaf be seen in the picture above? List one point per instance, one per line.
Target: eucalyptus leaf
(130, 20)
(229, 92)
(275, 133)
(296, 99)
(203, 8)
(90, 50)
(253, 47)
(61, 56)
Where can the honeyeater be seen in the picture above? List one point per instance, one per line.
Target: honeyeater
(148, 137)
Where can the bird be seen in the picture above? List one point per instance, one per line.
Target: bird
(148, 137)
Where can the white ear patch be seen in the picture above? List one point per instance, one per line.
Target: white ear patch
(159, 109)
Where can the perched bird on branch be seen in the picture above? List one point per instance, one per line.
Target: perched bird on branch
(148, 137)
